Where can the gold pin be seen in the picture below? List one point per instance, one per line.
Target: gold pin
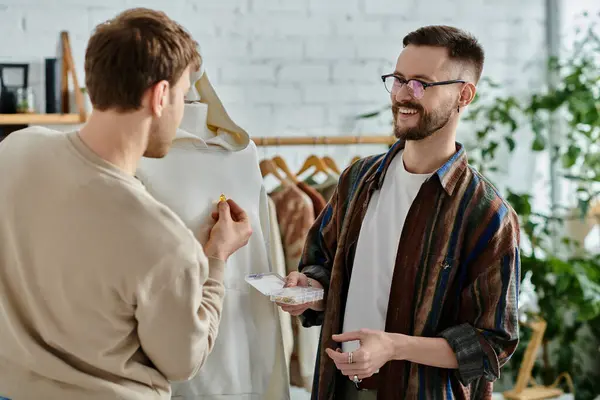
(222, 198)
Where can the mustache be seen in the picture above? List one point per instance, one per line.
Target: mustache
(413, 106)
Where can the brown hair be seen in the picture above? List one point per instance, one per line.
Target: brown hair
(135, 50)
(462, 46)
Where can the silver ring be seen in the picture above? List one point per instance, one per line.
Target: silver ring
(350, 358)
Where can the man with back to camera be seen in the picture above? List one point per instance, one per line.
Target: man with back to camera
(417, 252)
(104, 293)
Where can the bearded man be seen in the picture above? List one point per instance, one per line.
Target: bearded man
(417, 252)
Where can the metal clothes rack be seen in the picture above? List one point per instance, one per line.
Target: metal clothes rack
(323, 140)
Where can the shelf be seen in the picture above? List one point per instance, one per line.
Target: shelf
(40, 119)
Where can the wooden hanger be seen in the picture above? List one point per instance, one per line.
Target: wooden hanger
(268, 167)
(330, 163)
(281, 164)
(355, 159)
(314, 161)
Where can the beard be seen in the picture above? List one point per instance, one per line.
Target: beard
(428, 123)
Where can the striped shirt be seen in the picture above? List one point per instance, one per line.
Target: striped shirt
(456, 276)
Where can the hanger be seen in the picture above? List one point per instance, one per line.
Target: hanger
(281, 164)
(268, 167)
(355, 159)
(314, 161)
(330, 163)
(217, 117)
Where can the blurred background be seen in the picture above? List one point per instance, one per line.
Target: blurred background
(311, 69)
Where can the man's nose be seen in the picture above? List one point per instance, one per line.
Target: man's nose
(402, 94)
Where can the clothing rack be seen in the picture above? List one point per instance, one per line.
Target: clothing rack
(323, 140)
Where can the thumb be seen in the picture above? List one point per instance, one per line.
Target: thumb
(348, 337)
(224, 212)
(291, 280)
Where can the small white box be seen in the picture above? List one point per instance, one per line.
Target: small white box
(272, 285)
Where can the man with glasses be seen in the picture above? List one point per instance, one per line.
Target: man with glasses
(417, 252)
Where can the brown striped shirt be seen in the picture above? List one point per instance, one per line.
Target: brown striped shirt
(457, 276)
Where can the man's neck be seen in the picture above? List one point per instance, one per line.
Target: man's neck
(120, 139)
(428, 155)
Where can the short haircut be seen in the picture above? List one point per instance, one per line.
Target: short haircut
(462, 46)
(132, 52)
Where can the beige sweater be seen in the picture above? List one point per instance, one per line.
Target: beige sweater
(104, 293)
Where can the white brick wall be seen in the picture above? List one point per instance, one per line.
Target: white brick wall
(302, 66)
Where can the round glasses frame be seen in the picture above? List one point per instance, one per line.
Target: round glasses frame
(416, 87)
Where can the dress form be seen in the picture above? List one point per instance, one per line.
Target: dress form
(194, 120)
(211, 156)
(195, 116)
(203, 121)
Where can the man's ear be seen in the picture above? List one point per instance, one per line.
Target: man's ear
(467, 94)
(159, 97)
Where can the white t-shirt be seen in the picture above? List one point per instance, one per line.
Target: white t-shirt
(376, 250)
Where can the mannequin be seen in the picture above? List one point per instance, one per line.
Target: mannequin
(211, 156)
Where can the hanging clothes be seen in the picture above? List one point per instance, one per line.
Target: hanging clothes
(325, 188)
(308, 338)
(295, 213)
(317, 199)
(279, 266)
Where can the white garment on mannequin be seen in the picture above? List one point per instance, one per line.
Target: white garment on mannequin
(247, 362)
(278, 265)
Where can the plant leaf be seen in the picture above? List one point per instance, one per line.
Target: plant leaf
(510, 142)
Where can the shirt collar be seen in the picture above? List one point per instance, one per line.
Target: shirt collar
(448, 174)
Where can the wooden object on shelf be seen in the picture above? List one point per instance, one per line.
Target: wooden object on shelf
(65, 99)
(323, 140)
(66, 118)
(522, 390)
(69, 67)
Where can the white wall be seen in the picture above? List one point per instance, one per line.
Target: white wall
(296, 66)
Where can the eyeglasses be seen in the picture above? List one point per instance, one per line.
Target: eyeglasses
(415, 87)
